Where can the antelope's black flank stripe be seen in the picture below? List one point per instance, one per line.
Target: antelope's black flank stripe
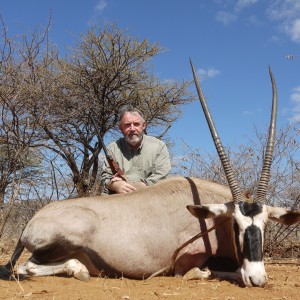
(253, 244)
(250, 209)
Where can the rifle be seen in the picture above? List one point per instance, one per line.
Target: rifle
(114, 166)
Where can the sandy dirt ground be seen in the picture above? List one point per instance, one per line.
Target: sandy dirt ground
(283, 283)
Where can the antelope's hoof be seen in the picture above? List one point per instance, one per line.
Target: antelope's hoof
(83, 276)
(196, 273)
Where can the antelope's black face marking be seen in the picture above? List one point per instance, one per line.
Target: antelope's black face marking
(253, 244)
(250, 209)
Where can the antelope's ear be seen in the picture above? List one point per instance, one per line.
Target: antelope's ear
(211, 210)
(283, 216)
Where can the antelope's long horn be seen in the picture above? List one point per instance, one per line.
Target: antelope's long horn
(265, 173)
(236, 193)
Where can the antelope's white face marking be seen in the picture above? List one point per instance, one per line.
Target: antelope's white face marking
(249, 226)
(253, 273)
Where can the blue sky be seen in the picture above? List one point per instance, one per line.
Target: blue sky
(230, 42)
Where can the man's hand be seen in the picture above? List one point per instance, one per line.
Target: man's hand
(119, 186)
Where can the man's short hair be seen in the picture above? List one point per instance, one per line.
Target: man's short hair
(129, 108)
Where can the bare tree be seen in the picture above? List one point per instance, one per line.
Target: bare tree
(55, 97)
(17, 160)
(106, 70)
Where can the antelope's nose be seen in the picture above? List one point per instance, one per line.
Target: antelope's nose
(258, 281)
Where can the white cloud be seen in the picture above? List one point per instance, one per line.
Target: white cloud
(241, 4)
(247, 112)
(208, 73)
(286, 13)
(293, 30)
(283, 9)
(274, 39)
(225, 17)
(231, 10)
(250, 112)
(295, 98)
(253, 20)
(169, 81)
(101, 5)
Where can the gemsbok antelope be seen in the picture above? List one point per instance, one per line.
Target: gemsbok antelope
(134, 235)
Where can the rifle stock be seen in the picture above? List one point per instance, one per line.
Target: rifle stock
(114, 166)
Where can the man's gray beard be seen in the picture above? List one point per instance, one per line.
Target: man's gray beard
(137, 140)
